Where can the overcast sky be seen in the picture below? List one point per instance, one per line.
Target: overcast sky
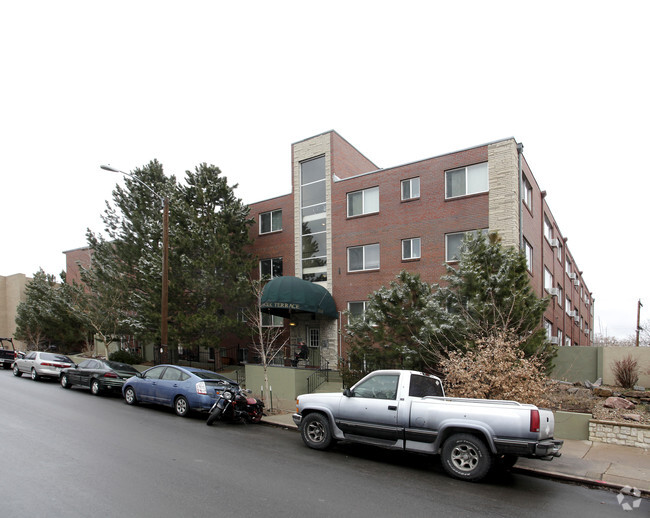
(85, 83)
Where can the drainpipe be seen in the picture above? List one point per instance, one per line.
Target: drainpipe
(520, 150)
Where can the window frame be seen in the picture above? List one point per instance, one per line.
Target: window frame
(271, 259)
(548, 279)
(419, 246)
(527, 192)
(363, 201)
(362, 316)
(270, 213)
(364, 247)
(466, 169)
(529, 253)
(410, 183)
(475, 232)
(548, 229)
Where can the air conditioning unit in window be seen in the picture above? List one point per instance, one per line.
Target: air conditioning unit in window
(554, 292)
(573, 276)
(555, 243)
(554, 340)
(576, 282)
(573, 314)
(576, 318)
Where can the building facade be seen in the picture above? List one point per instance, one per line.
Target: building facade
(352, 227)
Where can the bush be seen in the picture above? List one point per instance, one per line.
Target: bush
(626, 372)
(125, 357)
(496, 369)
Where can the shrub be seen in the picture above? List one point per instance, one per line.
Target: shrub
(626, 372)
(124, 357)
(495, 369)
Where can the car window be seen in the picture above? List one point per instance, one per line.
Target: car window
(85, 364)
(381, 386)
(209, 375)
(30, 356)
(154, 372)
(424, 386)
(94, 364)
(172, 374)
(124, 367)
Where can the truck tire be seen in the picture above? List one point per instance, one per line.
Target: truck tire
(316, 431)
(466, 457)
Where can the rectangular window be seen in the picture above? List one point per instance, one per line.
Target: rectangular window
(559, 337)
(363, 258)
(411, 248)
(313, 209)
(568, 267)
(357, 310)
(466, 180)
(454, 242)
(567, 341)
(271, 268)
(410, 188)
(567, 306)
(560, 294)
(528, 250)
(548, 326)
(527, 193)
(559, 252)
(548, 229)
(363, 202)
(270, 221)
(271, 320)
(548, 279)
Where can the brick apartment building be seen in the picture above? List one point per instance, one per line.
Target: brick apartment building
(352, 227)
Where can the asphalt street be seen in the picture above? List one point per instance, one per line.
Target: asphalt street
(68, 453)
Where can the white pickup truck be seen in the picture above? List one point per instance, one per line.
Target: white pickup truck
(408, 410)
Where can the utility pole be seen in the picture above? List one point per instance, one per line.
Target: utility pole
(638, 321)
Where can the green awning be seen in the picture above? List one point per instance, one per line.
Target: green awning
(284, 296)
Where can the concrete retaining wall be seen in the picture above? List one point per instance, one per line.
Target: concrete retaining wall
(590, 363)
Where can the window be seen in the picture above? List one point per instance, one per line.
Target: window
(567, 306)
(567, 341)
(567, 267)
(528, 250)
(271, 320)
(559, 294)
(270, 221)
(466, 180)
(559, 251)
(527, 192)
(411, 248)
(548, 279)
(381, 386)
(410, 188)
(363, 202)
(422, 386)
(559, 337)
(454, 242)
(363, 258)
(271, 268)
(548, 326)
(313, 209)
(548, 229)
(357, 310)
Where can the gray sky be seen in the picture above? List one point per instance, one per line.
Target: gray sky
(234, 84)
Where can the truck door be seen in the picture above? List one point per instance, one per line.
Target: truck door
(371, 410)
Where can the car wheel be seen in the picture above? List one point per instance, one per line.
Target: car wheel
(316, 432)
(34, 375)
(181, 406)
(95, 388)
(65, 383)
(129, 396)
(17, 372)
(466, 457)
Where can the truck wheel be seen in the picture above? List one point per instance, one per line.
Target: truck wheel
(17, 372)
(316, 432)
(466, 457)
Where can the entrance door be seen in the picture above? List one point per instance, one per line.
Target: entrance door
(313, 343)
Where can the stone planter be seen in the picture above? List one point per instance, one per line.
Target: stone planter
(623, 434)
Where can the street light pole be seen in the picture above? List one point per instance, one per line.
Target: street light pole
(164, 309)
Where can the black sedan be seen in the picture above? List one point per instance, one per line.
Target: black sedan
(98, 375)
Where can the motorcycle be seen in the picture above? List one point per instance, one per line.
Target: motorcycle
(234, 404)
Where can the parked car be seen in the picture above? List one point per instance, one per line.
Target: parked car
(97, 375)
(182, 388)
(41, 364)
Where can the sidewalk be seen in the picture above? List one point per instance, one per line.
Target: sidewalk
(584, 462)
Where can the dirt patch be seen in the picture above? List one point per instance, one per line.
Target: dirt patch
(577, 398)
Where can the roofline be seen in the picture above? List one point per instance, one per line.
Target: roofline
(425, 159)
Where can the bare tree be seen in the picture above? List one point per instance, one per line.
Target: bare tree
(267, 341)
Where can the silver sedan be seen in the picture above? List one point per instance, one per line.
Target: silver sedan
(41, 364)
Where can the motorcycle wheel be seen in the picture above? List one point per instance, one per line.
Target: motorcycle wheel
(214, 416)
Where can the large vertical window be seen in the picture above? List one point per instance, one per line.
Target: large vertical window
(411, 248)
(271, 268)
(410, 188)
(363, 258)
(548, 229)
(270, 221)
(528, 250)
(548, 279)
(363, 202)
(466, 180)
(527, 193)
(313, 219)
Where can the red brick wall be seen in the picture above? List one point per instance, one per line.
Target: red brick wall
(346, 159)
(74, 258)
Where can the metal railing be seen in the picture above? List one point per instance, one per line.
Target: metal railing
(319, 377)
